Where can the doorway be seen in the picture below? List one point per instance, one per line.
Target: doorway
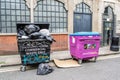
(108, 26)
(82, 18)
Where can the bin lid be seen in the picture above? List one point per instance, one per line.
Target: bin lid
(85, 34)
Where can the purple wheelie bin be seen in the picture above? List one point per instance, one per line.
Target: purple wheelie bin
(84, 45)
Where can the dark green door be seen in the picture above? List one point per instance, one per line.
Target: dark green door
(108, 32)
(82, 22)
(82, 18)
(108, 26)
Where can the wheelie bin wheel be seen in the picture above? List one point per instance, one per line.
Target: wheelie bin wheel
(80, 61)
(95, 59)
(23, 68)
(73, 58)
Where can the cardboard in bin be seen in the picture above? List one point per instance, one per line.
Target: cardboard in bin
(20, 26)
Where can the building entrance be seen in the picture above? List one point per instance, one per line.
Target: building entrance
(108, 26)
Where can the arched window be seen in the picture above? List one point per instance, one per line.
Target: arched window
(82, 14)
(108, 25)
(82, 8)
(12, 12)
(108, 10)
(53, 12)
(108, 13)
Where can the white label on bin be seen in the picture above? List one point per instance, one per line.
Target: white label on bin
(88, 53)
(90, 36)
(73, 40)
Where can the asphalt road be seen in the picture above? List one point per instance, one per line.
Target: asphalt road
(108, 69)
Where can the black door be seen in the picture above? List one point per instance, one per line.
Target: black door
(82, 22)
(108, 26)
(108, 32)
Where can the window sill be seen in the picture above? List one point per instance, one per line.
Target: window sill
(8, 34)
(14, 34)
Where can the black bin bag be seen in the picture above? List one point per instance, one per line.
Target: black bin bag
(34, 35)
(31, 28)
(44, 69)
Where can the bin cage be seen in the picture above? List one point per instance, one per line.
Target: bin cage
(34, 51)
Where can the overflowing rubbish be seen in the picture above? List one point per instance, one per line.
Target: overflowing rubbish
(34, 41)
(34, 32)
(31, 28)
(45, 32)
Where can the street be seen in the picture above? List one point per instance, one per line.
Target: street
(108, 69)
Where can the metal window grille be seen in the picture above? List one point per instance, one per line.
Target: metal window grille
(12, 12)
(82, 8)
(53, 12)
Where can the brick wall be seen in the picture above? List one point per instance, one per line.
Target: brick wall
(61, 42)
(8, 43)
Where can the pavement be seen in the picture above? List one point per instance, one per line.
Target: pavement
(13, 62)
(107, 69)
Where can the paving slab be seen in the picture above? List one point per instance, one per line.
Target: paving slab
(101, 70)
(17, 67)
(15, 59)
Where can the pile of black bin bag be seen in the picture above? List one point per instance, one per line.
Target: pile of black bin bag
(34, 32)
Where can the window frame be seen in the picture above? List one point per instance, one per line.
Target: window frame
(82, 8)
(10, 29)
(56, 11)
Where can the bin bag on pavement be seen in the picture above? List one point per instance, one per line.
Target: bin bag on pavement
(44, 69)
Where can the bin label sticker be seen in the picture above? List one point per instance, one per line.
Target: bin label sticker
(90, 36)
(73, 40)
(89, 46)
(90, 53)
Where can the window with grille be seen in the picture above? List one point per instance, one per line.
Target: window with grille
(12, 12)
(53, 12)
(108, 14)
(82, 8)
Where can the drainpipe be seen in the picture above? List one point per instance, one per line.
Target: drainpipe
(31, 11)
(82, 0)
